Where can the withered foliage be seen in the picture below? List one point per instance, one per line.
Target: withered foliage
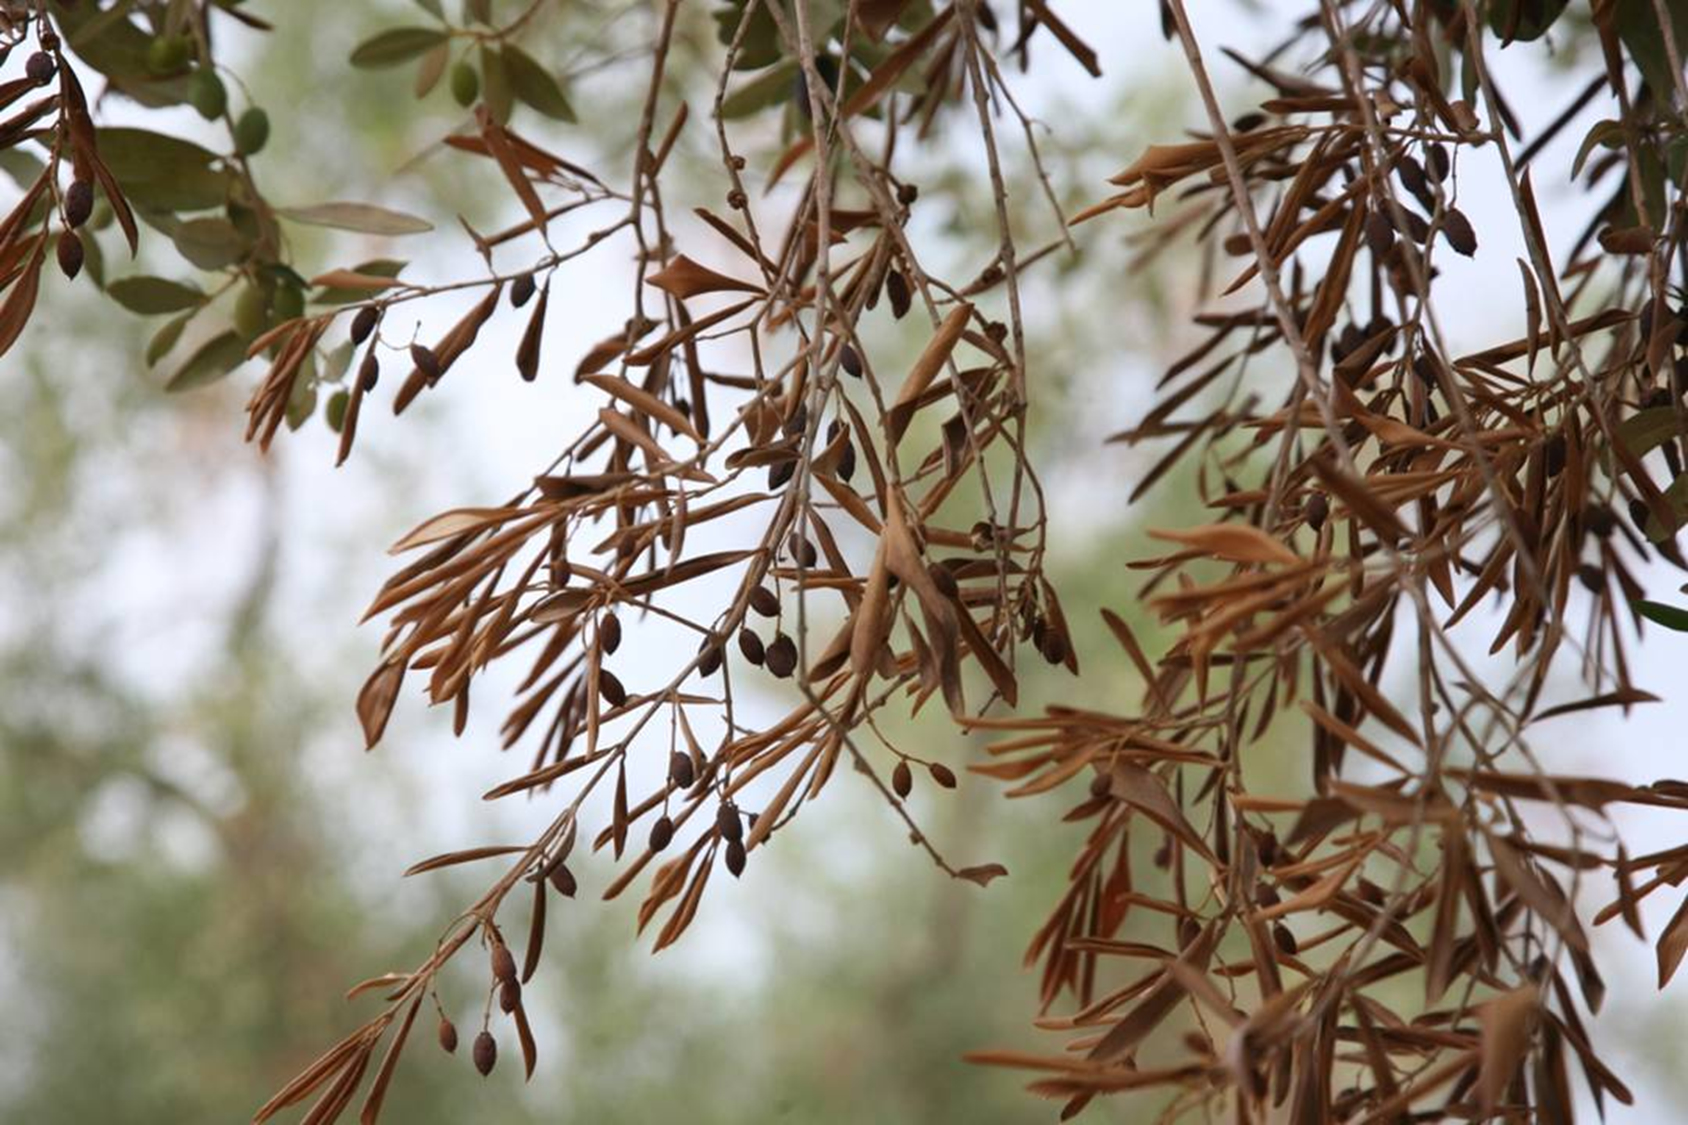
(1406, 942)
(886, 533)
(1401, 941)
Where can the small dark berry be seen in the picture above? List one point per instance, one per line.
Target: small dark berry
(1380, 234)
(364, 323)
(727, 822)
(71, 253)
(681, 771)
(941, 774)
(486, 1053)
(521, 290)
(1412, 176)
(709, 658)
(850, 361)
(782, 656)
(902, 779)
(1317, 511)
(78, 202)
(798, 422)
(503, 963)
(1456, 228)
(40, 68)
(426, 361)
(1439, 160)
(1054, 647)
(610, 688)
(1599, 519)
(735, 857)
(896, 288)
(1416, 228)
(448, 1036)
(751, 646)
(662, 833)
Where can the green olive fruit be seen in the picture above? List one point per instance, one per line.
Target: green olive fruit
(251, 308)
(169, 53)
(287, 303)
(251, 132)
(207, 94)
(465, 84)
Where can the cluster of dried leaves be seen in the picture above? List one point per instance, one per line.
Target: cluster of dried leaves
(1404, 942)
(1401, 943)
(887, 533)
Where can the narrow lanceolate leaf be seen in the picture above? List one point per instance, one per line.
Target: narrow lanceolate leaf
(467, 855)
(926, 368)
(1157, 1003)
(645, 403)
(353, 279)
(1625, 698)
(685, 278)
(1231, 542)
(396, 46)
(1506, 1022)
(363, 217)
(449, 525)
(504, 152)
(213, 360)
(1673, 943)
(533, 338)
(1670, 616)
(1148, 794)
(375, 701)
(384, 1076)
(534, 85)
(328, 1065)
(151, 296)
(19, 301)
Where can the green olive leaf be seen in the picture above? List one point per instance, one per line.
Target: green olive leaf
(535, 86)
(214, 360)
(397, 46)
(154, 296)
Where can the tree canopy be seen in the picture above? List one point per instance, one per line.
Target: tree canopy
(808, 477)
